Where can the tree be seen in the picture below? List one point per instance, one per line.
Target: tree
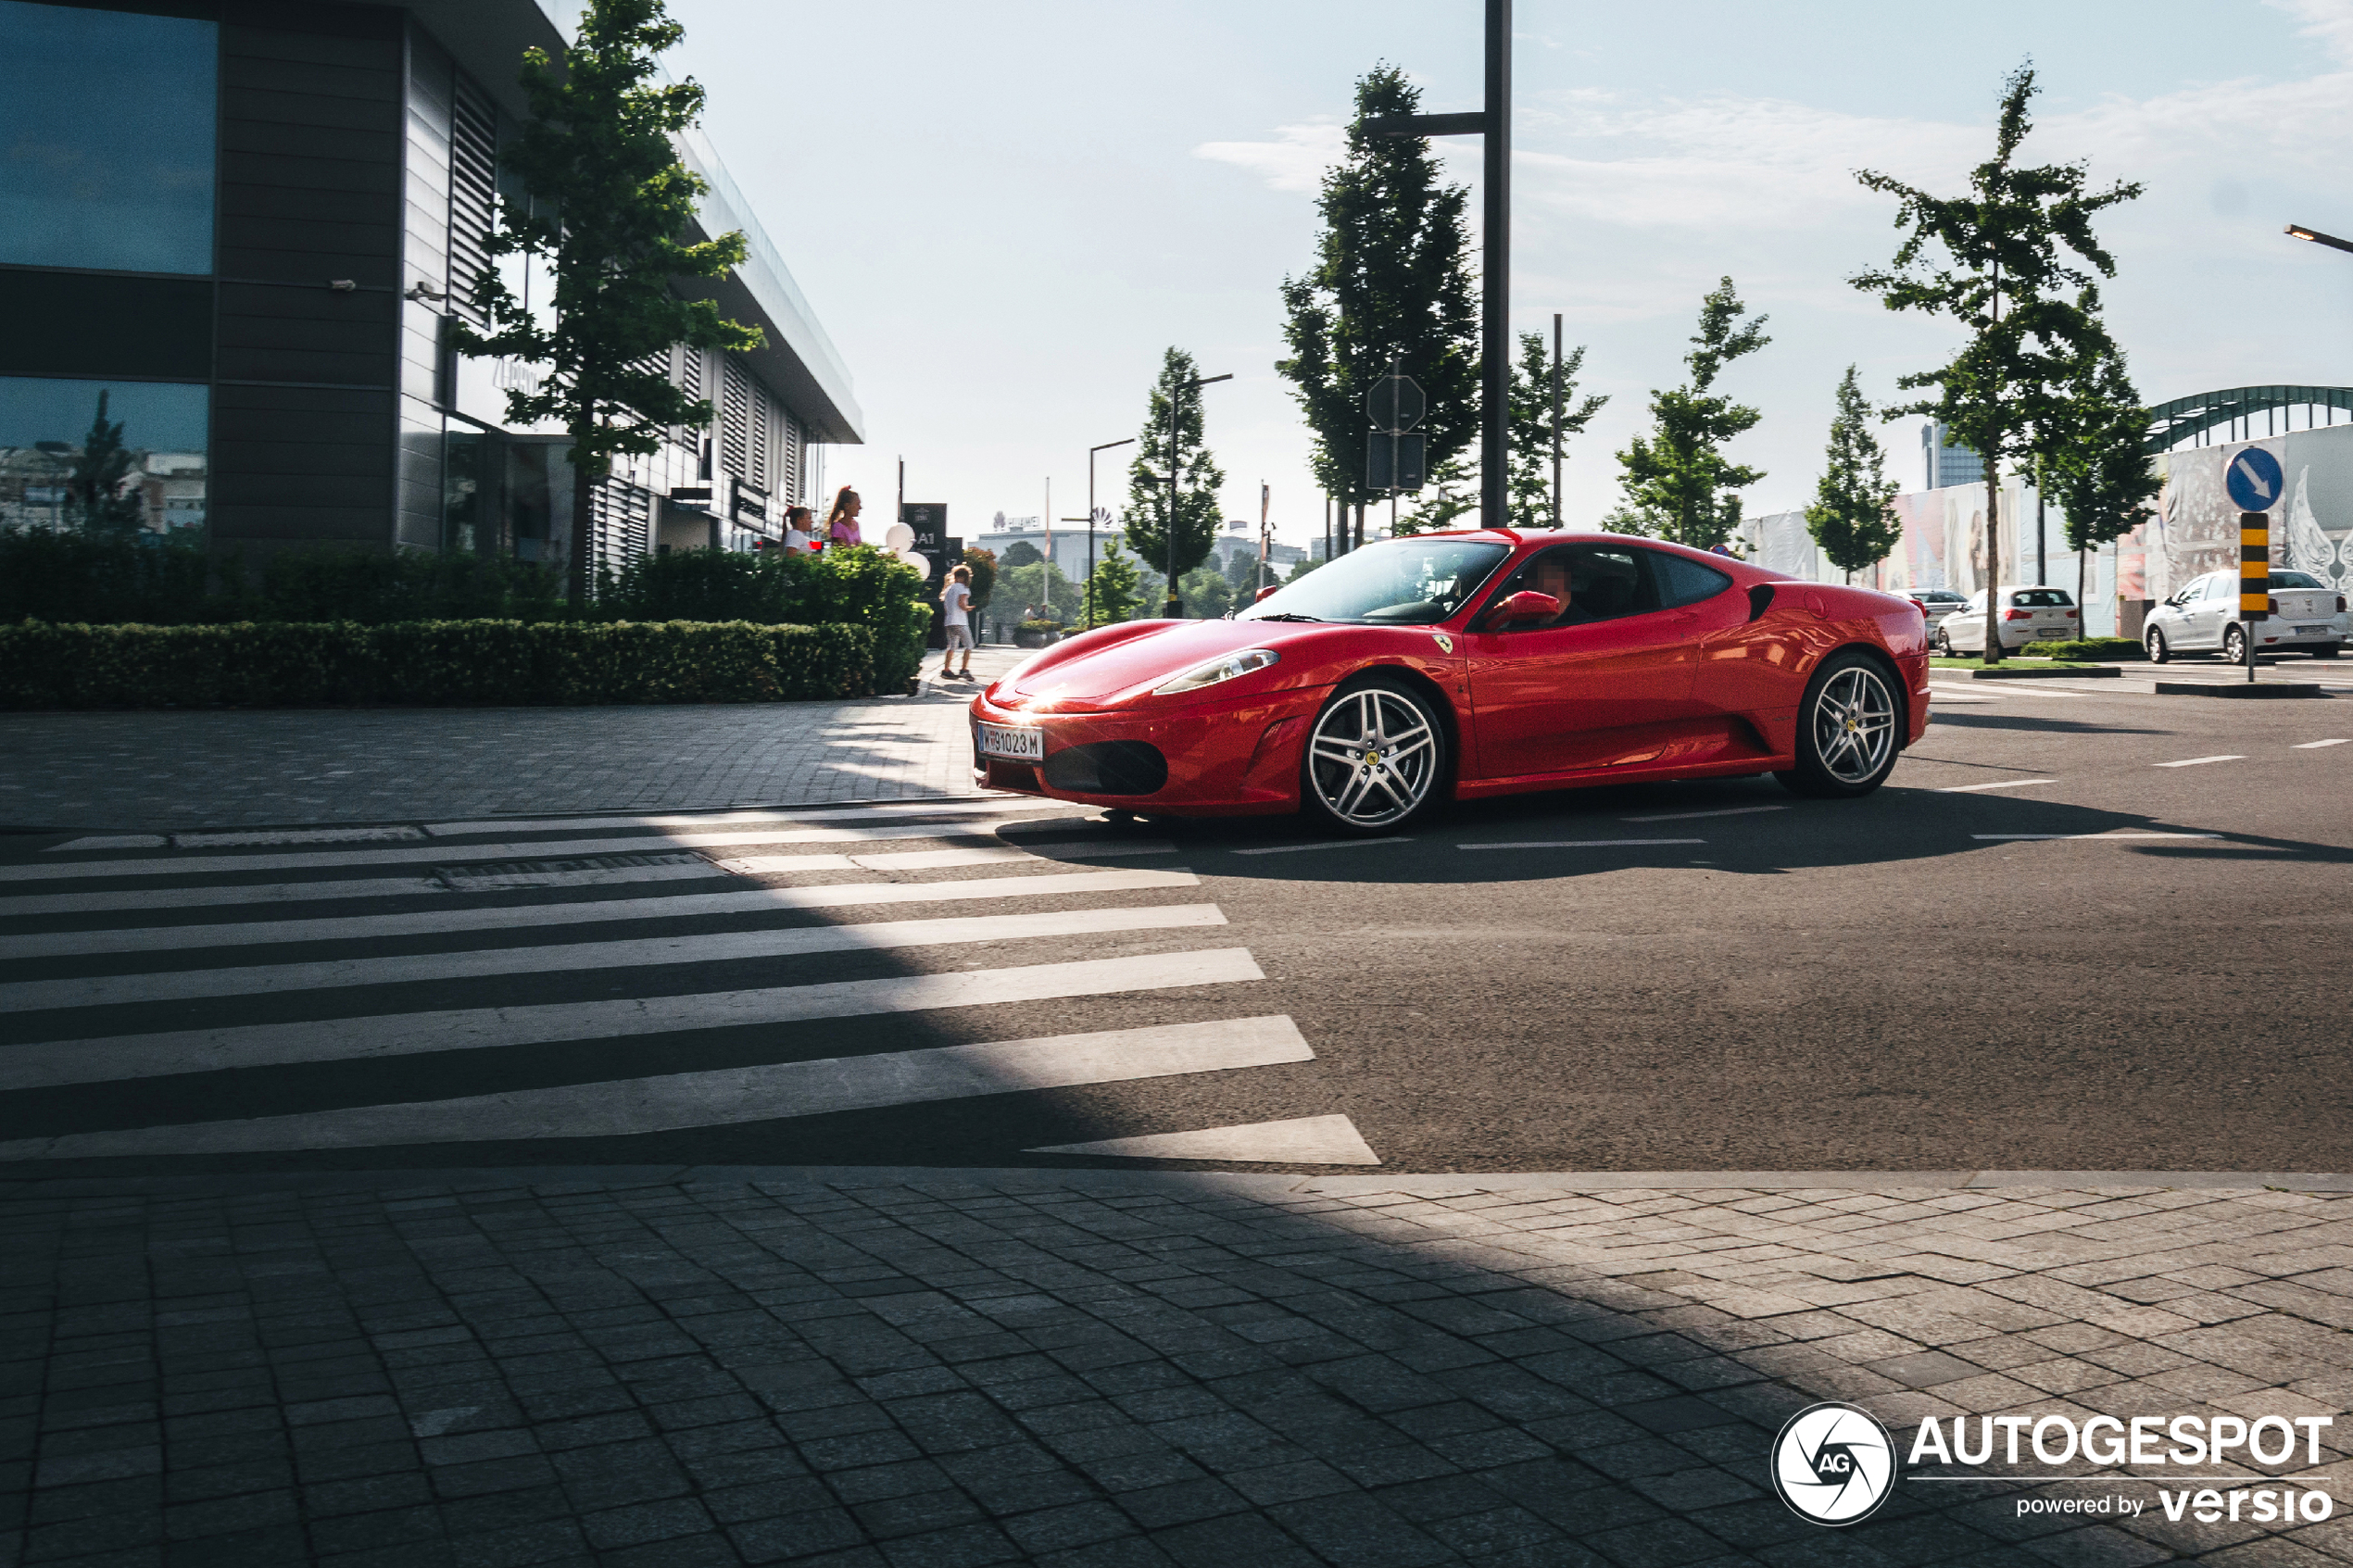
(608, 200)
(1199, 477)
(1677, 481)
(1300, 570)
(983, 567)
(2101, 475)
(1206, 593)
(94, 491)
(1390, 286)
(2008, 393)
(1453, 487)
(1853, 517)
(1117, 594)
(1042, 584)
(1021, 552)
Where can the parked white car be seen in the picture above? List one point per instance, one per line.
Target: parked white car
(1936, 604)
(2028, 615)
(2307, 616)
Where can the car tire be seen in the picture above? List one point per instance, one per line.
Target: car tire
(2158, 651)
(1942, 645)
(2234, 644)
(1849, 729)
(1376, 757)
(2329, 651)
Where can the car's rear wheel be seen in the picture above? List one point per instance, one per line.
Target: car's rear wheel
(2233, 646)
(2328, 650)
(1376, 757)
(1943, 646)
(1847, 729)
(2157, 650)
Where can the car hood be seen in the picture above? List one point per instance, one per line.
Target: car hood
(1091, 675)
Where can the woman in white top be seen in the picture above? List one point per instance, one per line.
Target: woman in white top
(955, 602)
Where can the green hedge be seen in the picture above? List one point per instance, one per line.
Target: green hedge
(2088, 650)
(287, 664)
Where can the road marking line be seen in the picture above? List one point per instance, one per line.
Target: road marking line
(2092, 837)
(1082, 849)
(576, 956)
(319, 892)
(254, 837)
(446, 854)
(1306, 1140)
(676, 1101)
(1331, 844)
(393, 1035)
(1686, 816)
(690, 905)
(2193, 761)
(997, 803)
(2005, 784)
(2316, 745)
(682, 866)
(1580, 843)
(114, 841)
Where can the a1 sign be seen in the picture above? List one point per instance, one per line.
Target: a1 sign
(2254, 480)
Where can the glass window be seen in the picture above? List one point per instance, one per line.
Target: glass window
(2296, 580)
(106, 138)
(2039, 598)
(104, 456)
(1682, 580)
(1398, 582)
(1594, 582)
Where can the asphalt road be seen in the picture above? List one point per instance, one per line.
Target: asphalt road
(1697, 976)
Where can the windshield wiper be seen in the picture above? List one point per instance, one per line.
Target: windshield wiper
(1288, 615)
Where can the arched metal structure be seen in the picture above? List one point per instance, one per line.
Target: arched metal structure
(2236, 411)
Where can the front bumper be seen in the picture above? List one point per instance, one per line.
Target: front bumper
(1237, 757)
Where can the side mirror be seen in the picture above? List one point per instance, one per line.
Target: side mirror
(1524, 606)
(1267, 592)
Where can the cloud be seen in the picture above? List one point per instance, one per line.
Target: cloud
(1295, 161)
(2330, 22)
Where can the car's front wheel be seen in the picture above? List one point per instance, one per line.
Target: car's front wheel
(1943, 646)
(1849, 729)
(2157, 650)
(1376, 757)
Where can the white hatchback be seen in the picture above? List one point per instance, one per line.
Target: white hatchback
(2307, 616)
(2028, 615)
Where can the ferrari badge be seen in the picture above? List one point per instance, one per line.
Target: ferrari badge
(1445, 642)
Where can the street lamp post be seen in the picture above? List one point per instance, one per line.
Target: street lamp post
(1173, 605)
(2297, 231)
(1123, 441)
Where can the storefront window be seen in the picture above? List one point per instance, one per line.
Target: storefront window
(102, 457)
(106, 138)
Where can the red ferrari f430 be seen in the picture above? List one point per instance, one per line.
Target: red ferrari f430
(1459, 665)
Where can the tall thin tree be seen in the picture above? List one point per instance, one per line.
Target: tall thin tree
(1677, 482)
(1991, 261)
(2100, 474)
(1852, 518)
(1390, 286)
(1199, 477)
(609, 201)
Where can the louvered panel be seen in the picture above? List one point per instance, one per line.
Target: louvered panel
(763, 415)
(735, 416)
(473, 172)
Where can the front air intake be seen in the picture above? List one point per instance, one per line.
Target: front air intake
(1110, 767)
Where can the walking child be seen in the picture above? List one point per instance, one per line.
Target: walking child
(955, 601)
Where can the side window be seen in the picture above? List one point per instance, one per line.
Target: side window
(1596, 582)
(1682, 580)
(1976, 601)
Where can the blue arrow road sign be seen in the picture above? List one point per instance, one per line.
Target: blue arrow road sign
(2254, 480)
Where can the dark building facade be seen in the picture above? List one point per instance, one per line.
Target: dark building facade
(246, 225)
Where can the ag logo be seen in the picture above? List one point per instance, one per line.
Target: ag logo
(1833, 1463)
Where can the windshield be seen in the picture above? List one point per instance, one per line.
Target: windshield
(1397, 582)
(2296, 580)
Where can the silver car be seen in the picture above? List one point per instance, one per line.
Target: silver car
(1936, 604)
(2307, 616)
(2028, 615)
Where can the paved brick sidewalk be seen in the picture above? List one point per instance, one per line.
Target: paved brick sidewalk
(230, 767)
(900, 1369)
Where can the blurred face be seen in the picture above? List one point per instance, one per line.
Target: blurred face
(1551, 576)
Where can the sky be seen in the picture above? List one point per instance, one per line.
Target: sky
(1004, 214)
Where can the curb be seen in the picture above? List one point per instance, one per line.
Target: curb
(2239, 688)
(2060, 672)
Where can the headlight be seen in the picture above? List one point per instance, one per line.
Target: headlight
(1221, 669)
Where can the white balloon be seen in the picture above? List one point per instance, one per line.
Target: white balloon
(917, 559)
(899, 536)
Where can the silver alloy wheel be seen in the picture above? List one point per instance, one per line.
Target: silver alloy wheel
(2233, 646)
(1373, 757)
(2157, 651)
(1854, 724)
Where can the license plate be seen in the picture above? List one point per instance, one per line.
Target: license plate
(2301, 629)
(1020, 743)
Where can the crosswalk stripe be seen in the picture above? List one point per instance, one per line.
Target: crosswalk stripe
(366, 887)
(455, 853)
(49, 1064)
(1303, 1140)
(879, 809)
(674, 1101)
(581, 957)
(421, 922)
(1077, 850)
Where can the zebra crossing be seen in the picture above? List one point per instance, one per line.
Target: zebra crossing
(642, 989)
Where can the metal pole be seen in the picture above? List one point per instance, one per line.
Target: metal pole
(1557, 418)
(1171, 607)
(2042, 540)
(1123, 441)
(1495, 283)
